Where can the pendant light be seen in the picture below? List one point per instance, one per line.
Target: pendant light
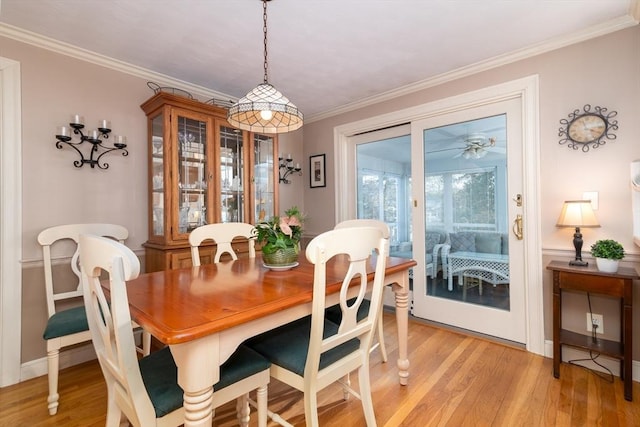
(264, 109)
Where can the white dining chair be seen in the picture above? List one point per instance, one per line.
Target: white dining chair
(67, 321)
(222, 234)
(334, 313)
(146, 391)
(311, 353)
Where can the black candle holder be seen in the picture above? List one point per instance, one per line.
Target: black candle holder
(286, 165)
(96, 142)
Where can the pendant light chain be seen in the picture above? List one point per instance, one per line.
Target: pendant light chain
(264, 109)
(264, 30)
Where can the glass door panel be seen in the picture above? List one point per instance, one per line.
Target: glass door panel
(465, 162)
(232, 174)
(192, 173)
(264, 180)
(157, 175)
(383, 160)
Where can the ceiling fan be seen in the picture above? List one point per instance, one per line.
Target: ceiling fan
(476, 146)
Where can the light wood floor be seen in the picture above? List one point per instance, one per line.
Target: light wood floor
(456, 380)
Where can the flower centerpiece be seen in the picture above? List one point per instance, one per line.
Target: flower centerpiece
(280, 237)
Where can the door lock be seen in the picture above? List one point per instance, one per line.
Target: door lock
(518, 200)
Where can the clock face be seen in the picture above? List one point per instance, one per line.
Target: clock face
(587, 128)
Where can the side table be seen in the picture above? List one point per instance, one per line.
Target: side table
(589, 279)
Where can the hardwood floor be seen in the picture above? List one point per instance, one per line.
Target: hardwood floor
(456, 380)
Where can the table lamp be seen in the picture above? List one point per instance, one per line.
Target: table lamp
(577, 213)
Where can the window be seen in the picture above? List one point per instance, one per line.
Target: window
(380, 196)
(462, 200)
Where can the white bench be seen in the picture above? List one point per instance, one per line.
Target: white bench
(492, 268)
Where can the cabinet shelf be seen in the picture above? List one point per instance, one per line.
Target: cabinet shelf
(603, 346)
(193, 190)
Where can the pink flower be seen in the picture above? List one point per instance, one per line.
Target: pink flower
(293, 221)
(284, 226)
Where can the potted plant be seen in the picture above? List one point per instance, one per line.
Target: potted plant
(607, 253)
(280, 238)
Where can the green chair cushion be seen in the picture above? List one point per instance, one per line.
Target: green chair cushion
(66, 322)
(160, 376)
(287, 345)
(334, 314)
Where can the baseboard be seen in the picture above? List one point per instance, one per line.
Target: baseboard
(69, 357)
(571, 353)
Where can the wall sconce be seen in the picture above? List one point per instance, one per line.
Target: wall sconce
(287, 166)
(94, 137)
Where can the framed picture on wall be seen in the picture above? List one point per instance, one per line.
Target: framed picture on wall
(317, 171)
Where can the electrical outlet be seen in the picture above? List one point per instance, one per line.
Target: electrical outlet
(595, 319)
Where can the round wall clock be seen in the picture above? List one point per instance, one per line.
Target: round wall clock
(588, 128)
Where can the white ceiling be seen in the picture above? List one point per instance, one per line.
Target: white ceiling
(322, 54)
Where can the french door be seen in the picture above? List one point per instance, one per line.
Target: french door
(468, 207)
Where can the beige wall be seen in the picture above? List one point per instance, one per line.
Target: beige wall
(55, 192)
(605, 72)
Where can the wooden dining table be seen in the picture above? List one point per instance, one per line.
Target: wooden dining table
(203, 313)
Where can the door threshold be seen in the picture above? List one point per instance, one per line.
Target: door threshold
(508, 343)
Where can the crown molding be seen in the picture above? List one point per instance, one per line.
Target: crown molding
(497, 61)
(67, 49)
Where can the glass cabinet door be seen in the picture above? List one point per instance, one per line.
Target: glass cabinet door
(157, 176)
(232, 200)
(264, 181)
(192, 172)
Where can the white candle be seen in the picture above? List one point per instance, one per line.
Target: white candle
(77, 119)
(63, 131)
(93, 134)
(104, 124)
(120, 139)
(297, 165)
(289, 156)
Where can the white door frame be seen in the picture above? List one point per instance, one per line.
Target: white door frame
(527, 89)
(11, 223)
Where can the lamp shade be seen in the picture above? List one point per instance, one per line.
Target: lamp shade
(577, 213)
(265, 110)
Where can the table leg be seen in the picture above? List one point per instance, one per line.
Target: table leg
(198, 370)
(450, 278)
(401, 290)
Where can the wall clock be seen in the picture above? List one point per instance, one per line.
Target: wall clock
(588, 128)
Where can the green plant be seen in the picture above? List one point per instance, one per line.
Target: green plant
(607, 248)
(281, 232)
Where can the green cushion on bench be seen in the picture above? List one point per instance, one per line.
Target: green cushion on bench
(160, 376)
(490, 243)
(66, 322)
(287, 345)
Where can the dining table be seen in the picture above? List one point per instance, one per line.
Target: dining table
(203, 313)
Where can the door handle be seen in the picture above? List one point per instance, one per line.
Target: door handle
(517, 227)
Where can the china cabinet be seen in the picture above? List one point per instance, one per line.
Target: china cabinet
(202, 171)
